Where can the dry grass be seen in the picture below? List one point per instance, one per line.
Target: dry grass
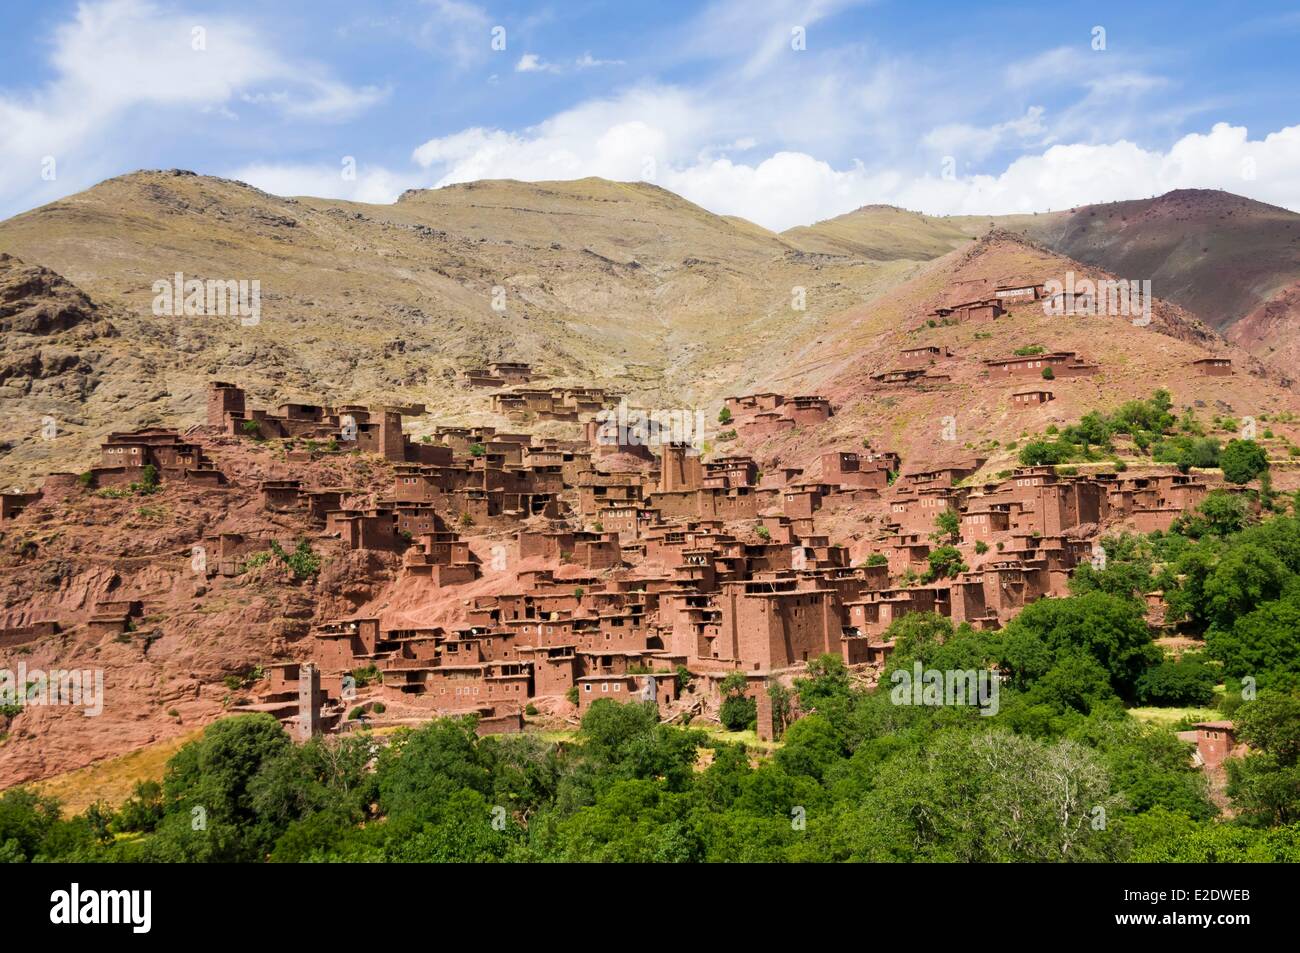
(113, 779)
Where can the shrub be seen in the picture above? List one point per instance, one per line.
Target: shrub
(1242, 461)
(302, 561)
(724, 416)
(1048, 374)
(739, 713)
(1188, 681)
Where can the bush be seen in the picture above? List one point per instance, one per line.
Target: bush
(738, 713)
(724, 416)
(1242, 461)
(572, 695)
(1048, 374)
(1188, 681)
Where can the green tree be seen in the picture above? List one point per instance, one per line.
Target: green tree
(1242, 461)
(1266, 783)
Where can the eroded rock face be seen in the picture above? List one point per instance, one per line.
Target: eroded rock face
(37, 301)
(71, 552)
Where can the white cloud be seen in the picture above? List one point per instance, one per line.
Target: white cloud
(587, 61)
(122, 68)
(664, 135)
(975, 142)
(532, 63)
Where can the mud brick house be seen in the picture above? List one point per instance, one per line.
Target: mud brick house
(680, 469)
(1062, 364)
(225, 401)
(730, 471)
(15, 636)
(1213, 366)
(978, 311)
(808, 411)
(985, 523)
(900, 375)
(801, 502)
(916, 512)
(124, 455)
(921, 356)
(873, 613)
(764, 424)
(658, 687)
(512, 372)
(225, 553)
(629, 523)
(1026, 399)
(280, 496)
(296, 699)
(479, 377)
(597, 491)
(1216, 741)
(772, 624)
(906, 551)
(850, 469)
(1018, 294)
(11, 504)
(373, 528)
(114, 616)
(944, 475)
(441, 557)
(753, 403)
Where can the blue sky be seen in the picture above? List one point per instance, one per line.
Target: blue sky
(941, 107)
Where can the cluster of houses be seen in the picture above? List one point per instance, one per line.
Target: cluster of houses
(617, 580)
(613, 582)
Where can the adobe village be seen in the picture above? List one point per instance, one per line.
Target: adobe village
(521, 578)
